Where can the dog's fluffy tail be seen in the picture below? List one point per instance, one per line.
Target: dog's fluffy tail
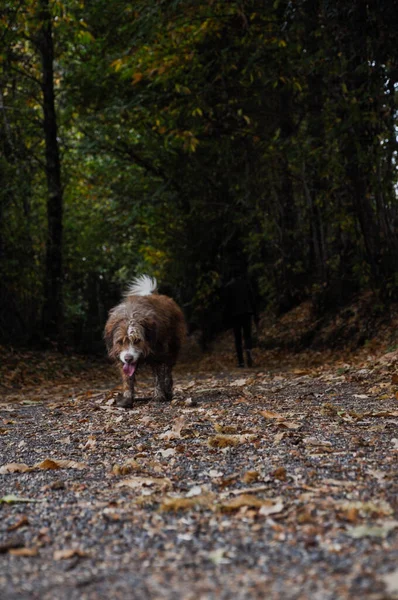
(143, 285)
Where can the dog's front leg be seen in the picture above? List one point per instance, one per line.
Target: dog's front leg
(163, 383)
(126, 401)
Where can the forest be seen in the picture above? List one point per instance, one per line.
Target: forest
(193, 141)
(188, 139)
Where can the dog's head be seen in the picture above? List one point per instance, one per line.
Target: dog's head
(129, 341)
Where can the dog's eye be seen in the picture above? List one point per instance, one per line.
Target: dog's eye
(136, 341)
(119, 342)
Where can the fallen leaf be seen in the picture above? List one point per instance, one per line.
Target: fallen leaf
(50, 463)
(24, 551)
(14, 468)
(313, 441)
(91, 443)
(23, 520)
(289, 424)
(252, 490)
(12, 499)
(240, 501)
(238, 383)
(225, 428)
(272, 508)
(378, 531)
(279, 473)
(184, 503)
(377, 474)
(175, 432)
(340, 483)
(126, 468)
(213, 473)
(379, 508)
(196, 490)
(391, 582)
(268, 414)
(134, 483)
(69, 553)
(250, 476)
(223, 441)
(47, 464)
(218, 557)
(168, 452)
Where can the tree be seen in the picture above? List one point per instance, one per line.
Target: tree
(53, 301)
(195, 136)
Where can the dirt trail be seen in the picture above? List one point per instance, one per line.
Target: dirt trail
(251, 484)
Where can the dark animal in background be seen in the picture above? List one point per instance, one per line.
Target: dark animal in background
(240, 307)
(146, 328)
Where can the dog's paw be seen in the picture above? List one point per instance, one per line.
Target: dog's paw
(124, 402)
(162, 398)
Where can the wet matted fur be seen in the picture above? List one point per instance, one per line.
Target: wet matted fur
(146, 328)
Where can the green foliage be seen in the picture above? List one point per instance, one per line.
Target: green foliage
(195, 137)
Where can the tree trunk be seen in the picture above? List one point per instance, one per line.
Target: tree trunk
(53, 305)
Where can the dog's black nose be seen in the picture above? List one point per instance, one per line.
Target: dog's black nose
(129, 358)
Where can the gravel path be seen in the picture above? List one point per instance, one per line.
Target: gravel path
(251, 484)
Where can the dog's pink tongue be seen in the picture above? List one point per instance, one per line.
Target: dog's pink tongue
(129, 368)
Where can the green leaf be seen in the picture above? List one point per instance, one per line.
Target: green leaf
(12, 499)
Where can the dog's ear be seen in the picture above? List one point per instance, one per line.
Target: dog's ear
(108, 335)
(150, 330)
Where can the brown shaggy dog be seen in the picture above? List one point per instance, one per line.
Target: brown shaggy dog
(145, 328)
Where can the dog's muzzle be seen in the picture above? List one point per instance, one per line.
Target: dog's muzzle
(130, 361)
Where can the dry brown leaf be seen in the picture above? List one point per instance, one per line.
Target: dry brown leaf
(313, 441)
(251, 490)
(20, 523)
(162, 483)
(24, 551)
(279, 473)
(250, 476)
(301, 372)
(377, 508)
(225, 428)
(126, 468)
(271, 508)
(243, 500)
(378, 531)
(338, 483)
(268, 414)
(175, 432)
(279, 437)
(184, 503)
(238, 382)
(14, 468)
(223, 441)
(91, 443)
(69, 553)
(289, 424)
(167, 452)
(47, 464)
(249, 501)
(50, 463)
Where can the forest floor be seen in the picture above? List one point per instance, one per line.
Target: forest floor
(278, 482)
